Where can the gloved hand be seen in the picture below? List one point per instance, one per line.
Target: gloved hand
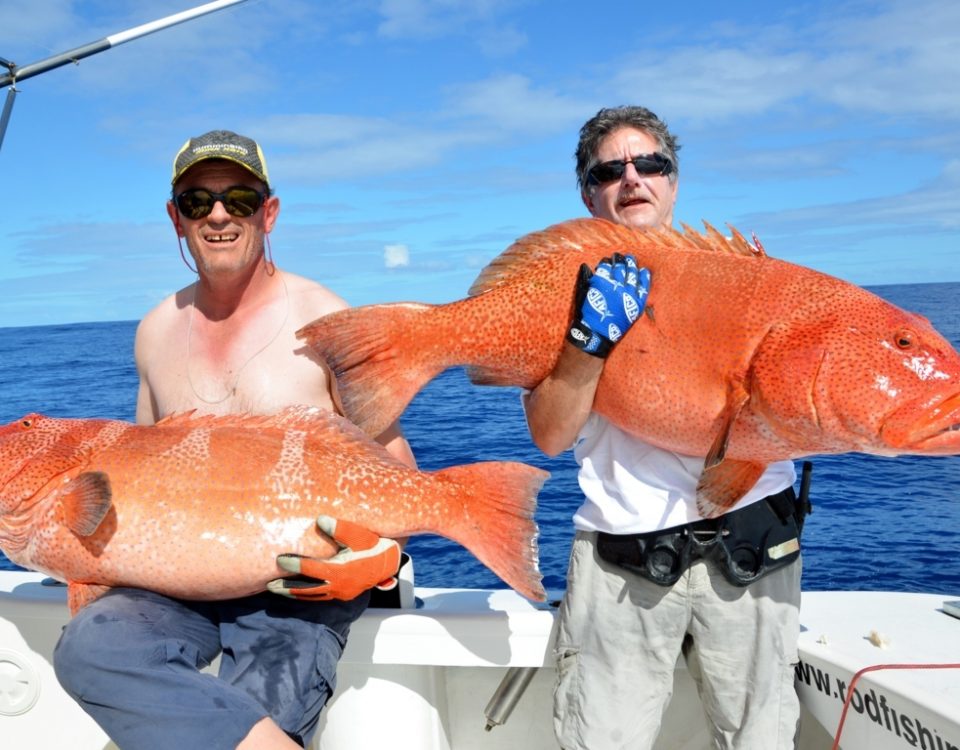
(365, 561)
(607, 302)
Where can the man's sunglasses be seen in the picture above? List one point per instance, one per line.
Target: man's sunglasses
(646, 164)
(237, 200)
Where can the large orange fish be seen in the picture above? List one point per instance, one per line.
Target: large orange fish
(741, 358)
(199, 507)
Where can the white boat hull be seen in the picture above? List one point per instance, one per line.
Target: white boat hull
(420, 679)
(914, 705)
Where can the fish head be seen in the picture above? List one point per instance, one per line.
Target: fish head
(33, 450)
(860, 374)
(927, 420)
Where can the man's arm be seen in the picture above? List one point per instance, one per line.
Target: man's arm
(558, 408)
(365, 560)
(146, 405)
(397, 446)
(607, 302)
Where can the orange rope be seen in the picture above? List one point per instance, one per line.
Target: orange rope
(874, 668)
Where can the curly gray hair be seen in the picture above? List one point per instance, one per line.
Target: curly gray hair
(610, 119)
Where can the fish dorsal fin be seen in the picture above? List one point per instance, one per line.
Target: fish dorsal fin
(567, 237)
(175, 418)
(242, 420)
(85, 501)
(598, 234)
(714, 241)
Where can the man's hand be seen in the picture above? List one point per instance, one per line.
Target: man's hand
(607, 302)
(365, 561)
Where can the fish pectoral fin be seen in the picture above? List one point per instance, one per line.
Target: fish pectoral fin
(85, 501)
(80, 595)
(723, 483)
(725, 480)
(737, 397)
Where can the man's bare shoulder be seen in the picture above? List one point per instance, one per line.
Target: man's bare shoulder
(309, 299)
(168, 314)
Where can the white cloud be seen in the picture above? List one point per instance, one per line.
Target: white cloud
(891, 60)
(513, 102)
(424, 19)
(396, 256)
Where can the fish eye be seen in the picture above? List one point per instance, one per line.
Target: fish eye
(904, 338)
(26, 423)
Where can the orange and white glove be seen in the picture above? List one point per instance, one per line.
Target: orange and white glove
(365, 561)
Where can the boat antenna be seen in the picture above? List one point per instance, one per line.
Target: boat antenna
(15, 73)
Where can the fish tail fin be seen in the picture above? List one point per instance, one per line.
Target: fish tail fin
(498, 500)
(377, 356)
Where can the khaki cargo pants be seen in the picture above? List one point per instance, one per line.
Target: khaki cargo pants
(620, 636)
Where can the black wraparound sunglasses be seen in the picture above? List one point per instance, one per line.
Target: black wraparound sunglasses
(646, 164)
(238, 200)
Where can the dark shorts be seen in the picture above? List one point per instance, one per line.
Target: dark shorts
(132, 659)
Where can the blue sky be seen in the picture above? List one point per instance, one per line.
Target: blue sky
(411, 141)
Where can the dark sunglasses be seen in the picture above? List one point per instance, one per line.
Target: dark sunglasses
(238, 200)
(646, 164)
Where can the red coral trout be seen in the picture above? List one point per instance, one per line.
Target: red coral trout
(200, 507)
(741, 358)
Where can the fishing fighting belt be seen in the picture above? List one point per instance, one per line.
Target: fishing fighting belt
(745, 544)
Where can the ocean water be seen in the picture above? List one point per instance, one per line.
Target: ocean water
(883, 524)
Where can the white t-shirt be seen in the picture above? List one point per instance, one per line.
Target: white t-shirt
(632, 487)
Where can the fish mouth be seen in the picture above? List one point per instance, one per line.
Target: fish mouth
(931, 427)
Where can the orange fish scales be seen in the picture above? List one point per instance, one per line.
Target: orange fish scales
(290, 470)
(742, 358)
(199, 507)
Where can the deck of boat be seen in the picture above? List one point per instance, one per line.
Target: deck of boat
(423, 676)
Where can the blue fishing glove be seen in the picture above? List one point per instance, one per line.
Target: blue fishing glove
(607, 302)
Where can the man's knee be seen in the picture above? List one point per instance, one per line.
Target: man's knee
(121, 636)
(77, 657)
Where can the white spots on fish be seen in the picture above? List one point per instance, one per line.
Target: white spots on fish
(290, 470)
(925, 368)
(108, 435)
(222, 539)
(282, 532)
(194, 448)
(359, 481)
(882, 383)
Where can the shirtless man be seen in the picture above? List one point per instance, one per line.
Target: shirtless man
(226, 344)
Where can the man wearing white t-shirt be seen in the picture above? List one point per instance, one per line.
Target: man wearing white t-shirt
(649, 578)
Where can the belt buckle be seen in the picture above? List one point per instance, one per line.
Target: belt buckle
(705, 535)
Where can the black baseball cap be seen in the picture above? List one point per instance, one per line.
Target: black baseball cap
(221, 144)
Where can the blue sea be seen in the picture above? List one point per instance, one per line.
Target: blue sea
(883, 524)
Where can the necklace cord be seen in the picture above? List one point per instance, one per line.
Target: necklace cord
(232, 389)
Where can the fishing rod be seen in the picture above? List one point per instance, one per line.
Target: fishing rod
(16, 73)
